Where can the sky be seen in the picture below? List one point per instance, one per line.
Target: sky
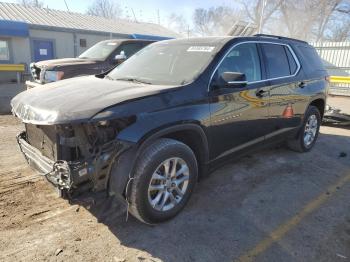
(145, 10)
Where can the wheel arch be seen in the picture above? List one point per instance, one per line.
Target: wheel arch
(320, 103)
(190, 134)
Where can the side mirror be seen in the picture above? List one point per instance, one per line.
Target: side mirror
(120, 58)
(233, 79)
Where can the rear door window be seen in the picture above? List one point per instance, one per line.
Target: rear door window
(276, 60)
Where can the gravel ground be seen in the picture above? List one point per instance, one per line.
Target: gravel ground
(274, 205)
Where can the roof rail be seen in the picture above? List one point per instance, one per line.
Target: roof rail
(279, 37)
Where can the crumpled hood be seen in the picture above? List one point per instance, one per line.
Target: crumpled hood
(64, 62)
(76, 99)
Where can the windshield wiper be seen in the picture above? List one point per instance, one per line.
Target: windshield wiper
(135, 80)
(108, 77)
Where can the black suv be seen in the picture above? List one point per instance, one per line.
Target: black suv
(99, 58)
(146, 131)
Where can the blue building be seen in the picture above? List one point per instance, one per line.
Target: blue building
(31, 34)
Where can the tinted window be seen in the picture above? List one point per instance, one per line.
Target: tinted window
(311, 60)
(244, 59)
(292, 64)
(130, 48)
(276, 60)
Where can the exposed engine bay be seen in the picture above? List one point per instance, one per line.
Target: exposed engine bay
(74, 157)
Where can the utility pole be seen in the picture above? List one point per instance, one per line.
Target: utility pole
(263, 4)
(66, 5)
(134, 14)
(158, 16)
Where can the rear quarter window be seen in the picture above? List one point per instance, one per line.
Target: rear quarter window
(311, 62)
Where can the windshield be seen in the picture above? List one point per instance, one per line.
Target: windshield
(100, 51)
(165, 64)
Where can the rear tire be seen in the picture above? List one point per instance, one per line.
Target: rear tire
(308, 132)
(164, 178)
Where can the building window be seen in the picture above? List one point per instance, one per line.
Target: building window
(82, 42)
(4, 50)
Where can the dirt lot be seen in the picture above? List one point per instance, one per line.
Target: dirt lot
(274, 205)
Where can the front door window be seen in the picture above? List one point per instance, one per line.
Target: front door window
(243, 58)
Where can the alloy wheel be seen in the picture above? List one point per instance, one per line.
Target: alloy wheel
(168, 184)
(310, 130)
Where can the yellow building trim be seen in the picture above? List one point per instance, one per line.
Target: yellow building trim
(340, 79)
(12, 68)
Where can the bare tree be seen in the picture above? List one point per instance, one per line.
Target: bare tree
(215, 20)
(339, 33)
(326, 9)
(344, 7)
(339, 24)
(311, 19)
(298, 17)
(105, 8)
(179, 24)
(31, 3)
(253, 11)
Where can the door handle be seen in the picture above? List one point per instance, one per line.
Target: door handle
(260, 93)
(302, 84)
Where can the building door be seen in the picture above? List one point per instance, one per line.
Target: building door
(43, 50)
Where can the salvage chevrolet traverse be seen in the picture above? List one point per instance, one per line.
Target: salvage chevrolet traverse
(146, 131)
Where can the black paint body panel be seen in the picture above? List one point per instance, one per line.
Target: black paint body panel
(228, 120)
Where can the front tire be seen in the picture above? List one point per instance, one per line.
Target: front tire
(308, 133)
(164, 178)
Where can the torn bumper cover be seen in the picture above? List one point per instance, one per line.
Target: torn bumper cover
(59, 173)
(71, 175)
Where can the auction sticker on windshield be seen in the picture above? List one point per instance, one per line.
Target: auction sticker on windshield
(200, 49)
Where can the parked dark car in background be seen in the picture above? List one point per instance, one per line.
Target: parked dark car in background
(146, 131)
(99, 58)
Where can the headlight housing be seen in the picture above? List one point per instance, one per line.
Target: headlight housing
(53, 76)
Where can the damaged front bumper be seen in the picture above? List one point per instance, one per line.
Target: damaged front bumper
(72, 175)
(60, 173)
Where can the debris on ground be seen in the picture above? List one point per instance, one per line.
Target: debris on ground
(342, 154)
(334, 116)
(58, 251)
(341, 256)
(38, 234)
(116, 259)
